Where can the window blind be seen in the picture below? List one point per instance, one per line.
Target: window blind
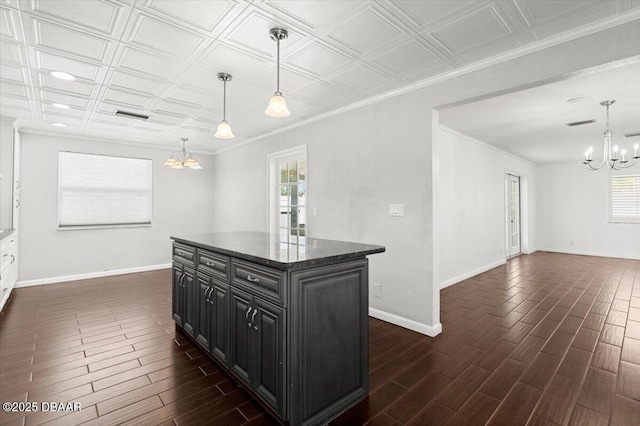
(625, 198)
(99, 190)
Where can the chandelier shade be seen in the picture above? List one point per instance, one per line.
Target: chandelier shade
(182, 159)
(278, 105)
(614, 157)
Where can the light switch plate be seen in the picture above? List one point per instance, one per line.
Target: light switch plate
(396, 209)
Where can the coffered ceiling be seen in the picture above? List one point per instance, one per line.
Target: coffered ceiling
(161, 57)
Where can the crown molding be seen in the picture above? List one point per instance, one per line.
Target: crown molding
(106, 140)
(565, 37)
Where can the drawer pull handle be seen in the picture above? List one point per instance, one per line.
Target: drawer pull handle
(253, 280)
(209, 263)
(246, 316)
(255, 327)
(182, 253)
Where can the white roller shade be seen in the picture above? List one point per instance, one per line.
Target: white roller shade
(99, 190)
(625, 198)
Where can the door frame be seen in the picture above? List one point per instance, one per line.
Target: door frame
(525, 244)
(273, 158)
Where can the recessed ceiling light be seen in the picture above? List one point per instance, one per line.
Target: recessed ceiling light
(59, 124)
(574, 100)
(61, 106)
(62, 75)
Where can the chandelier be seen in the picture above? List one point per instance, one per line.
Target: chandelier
(613, 157)
(182, 159)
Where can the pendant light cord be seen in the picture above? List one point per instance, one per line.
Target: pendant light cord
(278, 67)
(224, 101)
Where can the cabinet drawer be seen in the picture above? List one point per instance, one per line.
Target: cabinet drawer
(259, 279)
(184, 254)
(213, 264)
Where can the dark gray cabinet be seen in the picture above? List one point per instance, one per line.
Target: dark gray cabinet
(184, 291)
(293, 334)
(212, 330)
(257, 347)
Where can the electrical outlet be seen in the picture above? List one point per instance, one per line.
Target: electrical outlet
(396, 209)
(377, 290)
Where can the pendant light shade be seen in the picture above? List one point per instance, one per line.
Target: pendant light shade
(224, 130)
(277, 105)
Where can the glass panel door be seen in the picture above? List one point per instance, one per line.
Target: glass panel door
(513, 207)
(292, 201)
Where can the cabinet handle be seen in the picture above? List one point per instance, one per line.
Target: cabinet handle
(181, 282)
(206, 296)
(17, 203)
(255, 327)
(206, 262)
(213, 290)
(253, 280)
(13, 258)
(246, 316)
(17, 184)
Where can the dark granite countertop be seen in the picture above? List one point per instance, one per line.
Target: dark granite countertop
(265, 248)
(5, 233)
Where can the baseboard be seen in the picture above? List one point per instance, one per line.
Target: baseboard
(429, 330)
(470, 274)
(55, 280)
(589, 253)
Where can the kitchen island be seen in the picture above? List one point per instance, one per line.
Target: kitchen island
(288, 321)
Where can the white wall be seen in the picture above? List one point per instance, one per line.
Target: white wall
(469, 205)
(182, 204)
(363, 159)
(573, 205)
(6, 170)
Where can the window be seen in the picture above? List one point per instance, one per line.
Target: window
(625, 198)
(101, 191)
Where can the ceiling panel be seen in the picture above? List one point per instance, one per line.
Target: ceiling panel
(161, 57)
(95, 14)
(66, 40)
(203, 14)
(366, 31)
(406, 57)
(157, 36)
(477, 28)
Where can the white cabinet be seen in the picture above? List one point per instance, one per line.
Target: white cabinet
(8, 266)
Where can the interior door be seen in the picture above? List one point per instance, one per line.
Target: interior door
(513, 216)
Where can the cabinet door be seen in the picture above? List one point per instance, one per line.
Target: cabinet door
(189, 296)
(176, 290)
(268, 377)
(240, 335)
(219, 321)
(203, 310)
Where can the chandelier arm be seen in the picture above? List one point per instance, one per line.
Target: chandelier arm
(627, 165)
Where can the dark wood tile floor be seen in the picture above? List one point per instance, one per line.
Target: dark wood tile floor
(548, 339)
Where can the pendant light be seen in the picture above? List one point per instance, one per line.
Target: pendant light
(277, 104)
(224, 130)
